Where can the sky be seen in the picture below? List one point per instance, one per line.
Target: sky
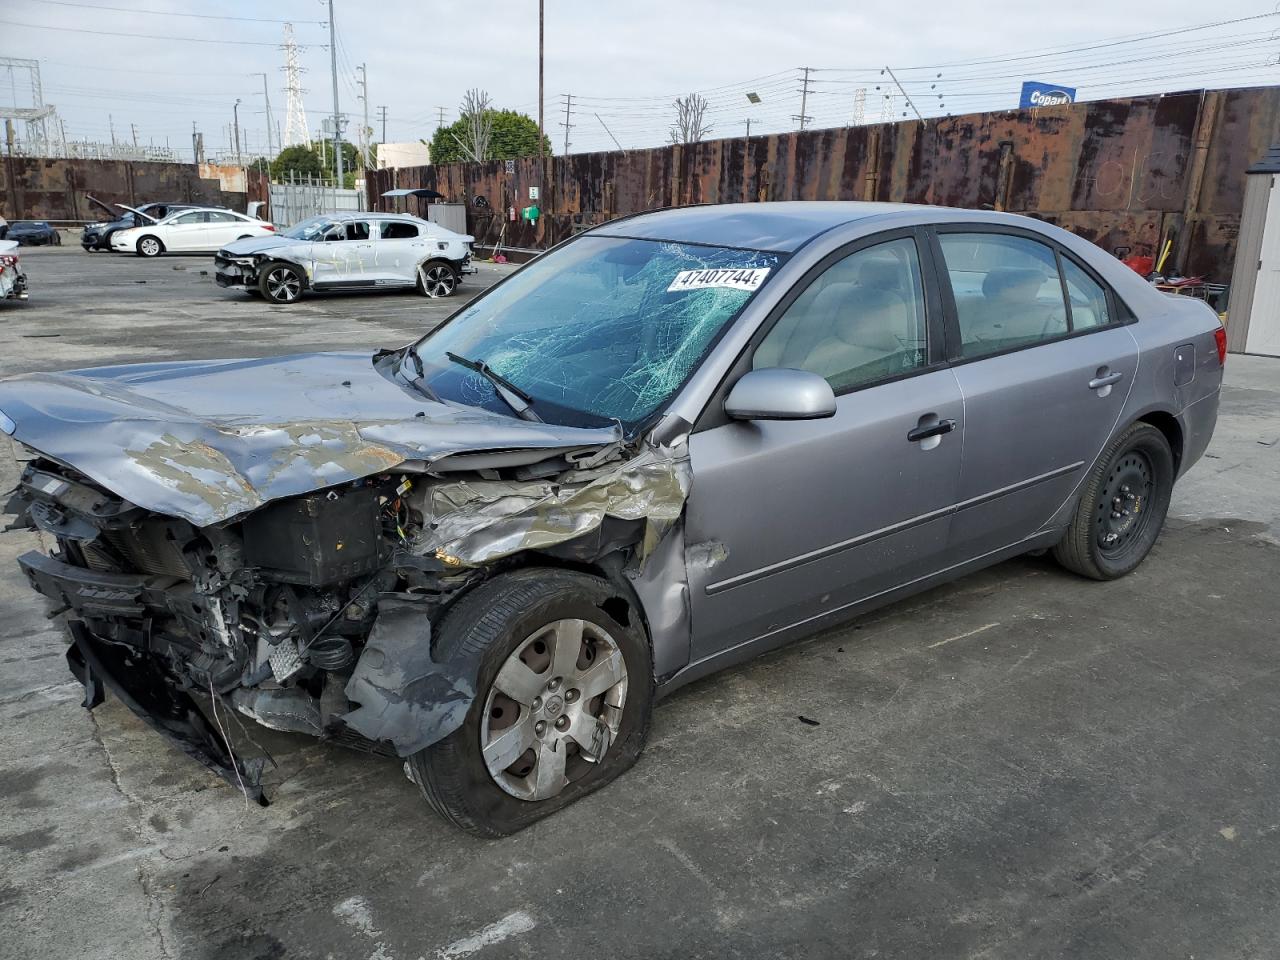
(153, 67)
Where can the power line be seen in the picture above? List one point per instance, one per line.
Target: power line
(175, 13)
(145, 36)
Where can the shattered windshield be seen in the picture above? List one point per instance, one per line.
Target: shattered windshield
(605, 329)
(309, 229)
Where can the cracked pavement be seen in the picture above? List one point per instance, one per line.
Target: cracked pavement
(1022, 764)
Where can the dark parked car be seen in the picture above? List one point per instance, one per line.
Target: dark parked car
(97, 236)
(669, 444)
(33, 233)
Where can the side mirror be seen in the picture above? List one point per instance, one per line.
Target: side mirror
(779, 393)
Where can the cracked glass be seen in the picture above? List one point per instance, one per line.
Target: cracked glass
(603, 330)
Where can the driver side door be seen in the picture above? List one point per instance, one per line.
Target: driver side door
(344, 256)
(186, 232)
(805, 519)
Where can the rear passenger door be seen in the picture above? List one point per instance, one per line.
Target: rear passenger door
(1044, 360)
(225, 227)
(398, 250)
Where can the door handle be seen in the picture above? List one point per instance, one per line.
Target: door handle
(1105, 380)
(932, 430)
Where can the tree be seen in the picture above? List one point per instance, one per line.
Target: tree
(511, 135)
(315, 160)
(689, 127)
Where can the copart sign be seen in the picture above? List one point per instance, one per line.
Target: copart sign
(1037, 94)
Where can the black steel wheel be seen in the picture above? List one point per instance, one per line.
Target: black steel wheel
(1122, 508)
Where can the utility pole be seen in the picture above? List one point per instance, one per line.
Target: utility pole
(748, 123)
(568, 104)
(383, 118)
(111, 123)
(235, 112)
(905, 97)
(542, 136)
(440, 121)
(366, 130)
(610, 133)
(133, 128)
(266, 98)
(804, 98)
(337, 118)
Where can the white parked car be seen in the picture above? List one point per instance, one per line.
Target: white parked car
(203, 229)
(348, 251)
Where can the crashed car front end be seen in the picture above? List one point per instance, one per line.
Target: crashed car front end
(313, 613)
(13, 280)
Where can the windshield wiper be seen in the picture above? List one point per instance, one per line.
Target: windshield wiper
(513, 396)
(417, 381)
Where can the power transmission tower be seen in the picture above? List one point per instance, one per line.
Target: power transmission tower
(295, 117)
(568, 112)
(440, 120)
(859, 106)
(804, 98)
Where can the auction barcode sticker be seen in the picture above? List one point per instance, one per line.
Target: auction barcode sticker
(737, 278)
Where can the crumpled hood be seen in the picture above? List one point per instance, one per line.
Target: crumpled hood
(210, 440)
(251, 245)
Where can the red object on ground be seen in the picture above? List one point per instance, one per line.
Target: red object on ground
(1139, 264)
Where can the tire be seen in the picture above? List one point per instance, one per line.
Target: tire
(437, 279)
(281, 282)
(494, 622)
(149, 246)
(1122, 508)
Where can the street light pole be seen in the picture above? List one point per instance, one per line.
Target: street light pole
(541, 129)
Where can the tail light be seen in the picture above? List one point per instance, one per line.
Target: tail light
(8, 260)
(1220, 338)
(270, 226)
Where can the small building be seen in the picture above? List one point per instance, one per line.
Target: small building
(414, 153)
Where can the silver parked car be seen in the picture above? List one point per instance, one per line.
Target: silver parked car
(348, 251)
(669, 444)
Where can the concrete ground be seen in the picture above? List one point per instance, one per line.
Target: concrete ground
(1022, 764)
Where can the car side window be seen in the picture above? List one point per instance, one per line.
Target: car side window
(358, 230)
(398, 230)
(197, 217)
(861, 320)
(1088, 298)
(219, 216)
(1007, 290)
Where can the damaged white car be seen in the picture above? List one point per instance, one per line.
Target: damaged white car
(669, 444)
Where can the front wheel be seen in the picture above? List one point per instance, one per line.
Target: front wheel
(563, 700)
(150, 247)
(437, 279)
(1122, 508)
(280, 282)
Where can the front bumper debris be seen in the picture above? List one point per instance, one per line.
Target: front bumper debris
(162, 705)
(234, 273)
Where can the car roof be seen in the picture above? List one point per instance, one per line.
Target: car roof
(371, 215)
(781, 226)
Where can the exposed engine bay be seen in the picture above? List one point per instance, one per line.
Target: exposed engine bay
(313, 614)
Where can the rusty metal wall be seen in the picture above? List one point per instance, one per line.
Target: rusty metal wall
(1126, 173)
(34, 188)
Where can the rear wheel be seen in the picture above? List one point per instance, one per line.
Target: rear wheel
(437, 278)
(1122, 508)
(150, 246)
(280, 282)
(563, 700)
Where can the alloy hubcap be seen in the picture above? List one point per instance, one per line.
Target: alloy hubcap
(150, 247)
(1122, 514)
(437, 281)
(554, 708)
(283, 285)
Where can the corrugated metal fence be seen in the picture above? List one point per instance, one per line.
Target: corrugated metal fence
(1126, 174)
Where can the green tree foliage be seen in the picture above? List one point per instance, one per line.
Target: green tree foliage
(514, 135)
(302, 161)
